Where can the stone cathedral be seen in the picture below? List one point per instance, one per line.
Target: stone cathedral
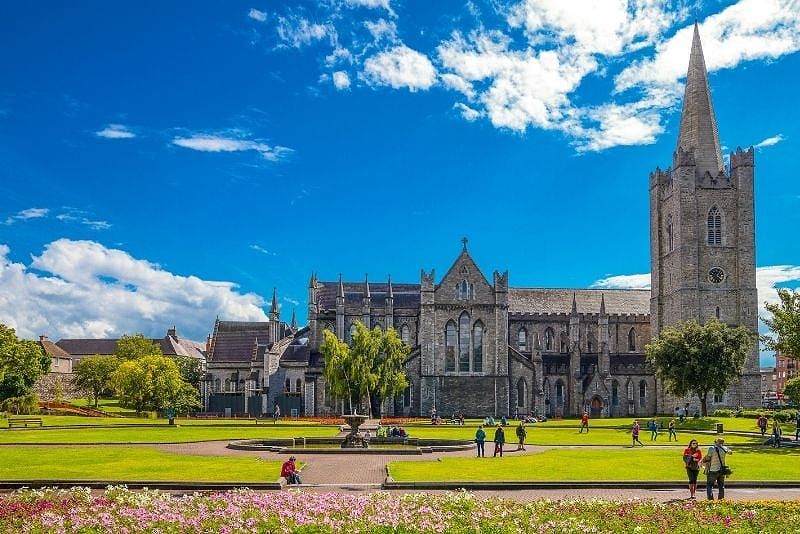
(480, 346)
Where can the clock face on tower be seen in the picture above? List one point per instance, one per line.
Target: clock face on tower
(716, 275)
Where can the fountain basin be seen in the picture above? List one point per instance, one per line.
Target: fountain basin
(318, 445)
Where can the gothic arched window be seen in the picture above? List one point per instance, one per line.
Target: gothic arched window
(548, 339)
(217, 385)
(477, 347)
(450, 341)
(643, 394)
(522, 340)
(287, 386)
(405, 334)
(463, 342)
(464, 290)
(352, 332)
(522, 393)
(564, 342)
(714, 224)
(716, 313)
(298, 385)
(227, 384)
(615, 393)
(407, 397)
(559, 393)
(670, 239)
(632, 340)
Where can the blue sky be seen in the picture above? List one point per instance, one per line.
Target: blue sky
(165, 163)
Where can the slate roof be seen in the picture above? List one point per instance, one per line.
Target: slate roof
(405, 295)
(53, 350)
(559, 300)
(238, 341)
(170, 346)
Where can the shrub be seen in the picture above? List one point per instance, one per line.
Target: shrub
(24, 405)
(785, 416)
(751, 414)
(722, 412)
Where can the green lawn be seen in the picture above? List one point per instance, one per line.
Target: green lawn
(596, 464)
(161, 434)
(129, 463)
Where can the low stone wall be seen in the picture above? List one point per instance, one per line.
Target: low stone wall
(45, 387)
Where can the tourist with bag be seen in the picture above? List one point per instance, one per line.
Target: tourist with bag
(692, 456)
(635, 433)
(716, 468)
(777, 433)
(499, 439)
(521, 434)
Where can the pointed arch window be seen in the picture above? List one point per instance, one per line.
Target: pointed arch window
(352, 332)
(405, 335)
(615, 393)
(522, 340)
(217, 385)
(298, 385)
(450, 341)
(549, 339)
(407, 397)
(670, 237)
(632, 340)
(714, 226)
(559, 393)
(463, 342)
(227, 384)
(287, 386)
(643, 394)
(522, 393)
(717, 313)
(564, 342)
(477, 347)
(464, 290)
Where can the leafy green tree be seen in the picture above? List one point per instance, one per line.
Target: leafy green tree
(190, 369)
(136, 346)
(792, 390)
(698, 359)
(22, 363)
(93, 374)
(371, 368)
(187, 399)
(148, 383)
(784, 323)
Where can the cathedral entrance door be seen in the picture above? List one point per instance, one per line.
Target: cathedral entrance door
(597, 407)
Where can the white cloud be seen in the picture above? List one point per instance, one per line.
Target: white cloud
(401, 67)
(467, 112)
(255, 14)
(26, 214)
(624, 281)
(116, 131)
(382, 29)
(341, 80)
(291, 301)
(262, 250)
(769, 141)
(218, 143)
(82, 217)
(297, 31)
(456, 82)
(83, 289)
(372, 4)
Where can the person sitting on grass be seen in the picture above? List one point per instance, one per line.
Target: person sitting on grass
(290, 472)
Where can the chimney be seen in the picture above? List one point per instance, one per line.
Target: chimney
(43, 338)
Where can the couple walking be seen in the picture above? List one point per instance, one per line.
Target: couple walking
(499, 439)
(714, 462)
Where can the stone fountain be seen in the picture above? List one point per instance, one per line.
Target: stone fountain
(354, 440)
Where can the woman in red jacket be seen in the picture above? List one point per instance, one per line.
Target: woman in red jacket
(692, 456)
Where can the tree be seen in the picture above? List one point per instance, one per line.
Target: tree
(371, 367)
(22, 363)
(148, 383)
(792, 390)
(93, 374)
(785, 324)
(136, 346)
(190, 369)
(693, 358)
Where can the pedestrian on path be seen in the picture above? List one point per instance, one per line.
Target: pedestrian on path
(672, 433)
(584, 423)
(777, 433)
(635, 433)
(521, 433)
(276, 414)
(797, 427)
(653, 426)
(499, 440)
(480, 438)
(762, 424)
(692, 456)
(715, 468)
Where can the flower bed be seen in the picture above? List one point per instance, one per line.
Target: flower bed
(119, 510)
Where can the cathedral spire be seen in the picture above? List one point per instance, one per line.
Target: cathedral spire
(602, 304)
(366, 287)
(294, 320)
(574, 304)
(390, 290)
(341, 287)
(698, 130)
(273, 309)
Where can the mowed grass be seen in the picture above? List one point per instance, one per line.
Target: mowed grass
(77, 420)
(595, 464)
(160, 434)
(129, 464)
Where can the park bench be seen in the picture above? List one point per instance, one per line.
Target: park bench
(24, 422)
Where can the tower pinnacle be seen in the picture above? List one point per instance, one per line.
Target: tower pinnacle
(698, 131)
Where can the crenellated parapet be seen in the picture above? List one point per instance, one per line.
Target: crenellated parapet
(683, 158)
(742, 158)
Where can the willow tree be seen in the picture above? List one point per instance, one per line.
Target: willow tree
(699, 359)
(370, 368)
(784, 323)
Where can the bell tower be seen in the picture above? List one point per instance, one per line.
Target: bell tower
(702, 231)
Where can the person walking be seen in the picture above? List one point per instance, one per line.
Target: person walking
(584, 423)
(480, 438)
(692, 456)
(777, 433)
(797, 427)
(521, 433)
(653, 426)
(715, 468)
(672, 433)
(499, 440)
(276, 414)
(290, 472)
(762, 424)
(635, 433)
